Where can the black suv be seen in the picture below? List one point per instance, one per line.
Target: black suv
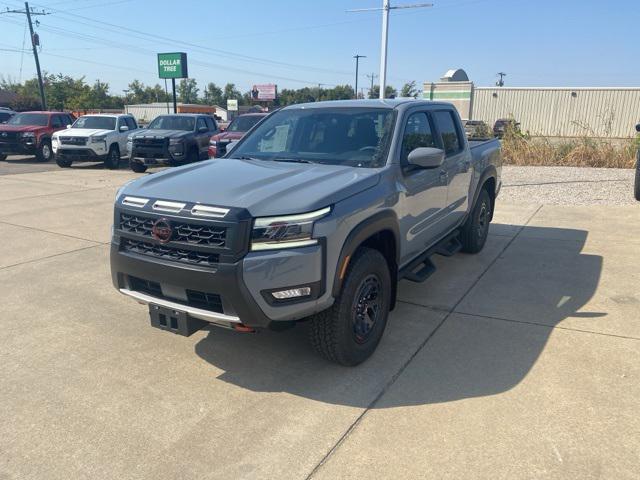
(171, 140)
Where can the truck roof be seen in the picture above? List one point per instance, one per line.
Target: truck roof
(389, 103)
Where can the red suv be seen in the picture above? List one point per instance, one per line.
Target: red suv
(235, 131)
(29, 133)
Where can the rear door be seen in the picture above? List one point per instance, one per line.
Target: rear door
(424, 192)
(457, 165)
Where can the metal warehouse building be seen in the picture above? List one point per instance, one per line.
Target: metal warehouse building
(549, 112)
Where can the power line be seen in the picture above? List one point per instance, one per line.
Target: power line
(35, 41)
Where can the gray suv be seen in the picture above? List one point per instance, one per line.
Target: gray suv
(315, 215)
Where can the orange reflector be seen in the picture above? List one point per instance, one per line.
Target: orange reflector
(239, 327)
(343, 270)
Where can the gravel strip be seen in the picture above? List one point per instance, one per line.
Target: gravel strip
(568, 185)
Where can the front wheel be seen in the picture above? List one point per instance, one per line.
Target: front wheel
(44, 153)
(476, 229)
(3, 157)
(63, 162)
(113, 158)
(350, 330)
(137, 167)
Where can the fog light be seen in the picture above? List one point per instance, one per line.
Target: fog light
(292, 293)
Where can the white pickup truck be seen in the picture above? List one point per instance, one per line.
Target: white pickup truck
(94, 138)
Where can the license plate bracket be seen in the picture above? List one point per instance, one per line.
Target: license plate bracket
(174, 321)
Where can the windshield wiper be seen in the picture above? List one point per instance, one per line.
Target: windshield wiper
(292, 160)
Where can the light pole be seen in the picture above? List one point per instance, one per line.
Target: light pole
(373, 76)
(386, 6)
(357, 57)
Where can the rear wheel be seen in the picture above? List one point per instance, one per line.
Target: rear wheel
(113, 158)
(137, 167)
(476, 229)
(350, 330)
(44, 153)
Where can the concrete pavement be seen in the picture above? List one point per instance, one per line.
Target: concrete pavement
(520, 362)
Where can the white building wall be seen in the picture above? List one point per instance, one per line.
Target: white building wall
(562, 112)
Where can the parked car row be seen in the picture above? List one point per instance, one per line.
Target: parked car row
(171, 139)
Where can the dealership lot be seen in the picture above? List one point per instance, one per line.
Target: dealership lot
(520, 362)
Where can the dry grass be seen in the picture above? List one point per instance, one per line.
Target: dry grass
(519, 149)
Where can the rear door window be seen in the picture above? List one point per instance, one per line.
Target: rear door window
(449, 134)
(417, 133)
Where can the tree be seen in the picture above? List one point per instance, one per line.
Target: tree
(231, 92)
(389, 92)
(213, 95)
(188, 90)
(409, 90)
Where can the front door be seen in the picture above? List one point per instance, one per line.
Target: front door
(424, 193)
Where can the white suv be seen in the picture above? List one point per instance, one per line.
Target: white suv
(94, 138)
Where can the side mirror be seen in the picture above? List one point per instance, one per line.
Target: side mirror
(426, 157)
(124, 128)
(68, 126)
(222, 129)
(638, 127)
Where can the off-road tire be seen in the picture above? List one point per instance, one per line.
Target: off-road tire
(192, 156)
(333, 333)
(44, 152)
(63, 162)
(474, 232)
(3, 157)
(112, 162)
(137, 167)
(637, 185)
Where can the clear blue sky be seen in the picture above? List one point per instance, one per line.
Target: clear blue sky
(305, 42)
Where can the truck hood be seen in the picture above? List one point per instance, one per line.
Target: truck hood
(264, 188)
(21, 128)
(157, 133)
(81, 132)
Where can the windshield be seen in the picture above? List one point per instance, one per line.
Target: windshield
(101, 123)
(244, 123)
(357, 137)
(39, 119)
(168, 122)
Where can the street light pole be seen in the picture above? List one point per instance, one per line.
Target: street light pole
(386, 7)
(357, 57)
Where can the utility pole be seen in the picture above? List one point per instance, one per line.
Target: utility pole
(386, 7)
(373, 76)
(357, 57)
(35, 41)
(500, 83)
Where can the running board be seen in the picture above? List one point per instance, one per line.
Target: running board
(422, 267)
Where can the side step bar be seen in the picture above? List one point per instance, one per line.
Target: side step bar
(422, 267)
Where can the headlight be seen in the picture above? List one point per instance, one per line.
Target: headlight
(271, 233)
(97, 139)
(28, 135)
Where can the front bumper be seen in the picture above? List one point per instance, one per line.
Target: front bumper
(80, 154)
(151, 155)
(242, 287)
(19, 147)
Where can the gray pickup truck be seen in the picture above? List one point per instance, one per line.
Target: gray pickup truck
(315, 215)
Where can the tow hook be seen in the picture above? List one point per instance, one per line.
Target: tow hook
(242, 328)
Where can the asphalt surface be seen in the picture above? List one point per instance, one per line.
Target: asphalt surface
(520, 362)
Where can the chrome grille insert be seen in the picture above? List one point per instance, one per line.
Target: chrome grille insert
(164, 206)
(135, 201)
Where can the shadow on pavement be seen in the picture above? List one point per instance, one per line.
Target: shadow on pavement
(468, 356)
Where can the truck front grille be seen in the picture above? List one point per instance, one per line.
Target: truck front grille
(8, 137)
(73, 140)
(169, 253)
(195, 298)
(190, 233)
